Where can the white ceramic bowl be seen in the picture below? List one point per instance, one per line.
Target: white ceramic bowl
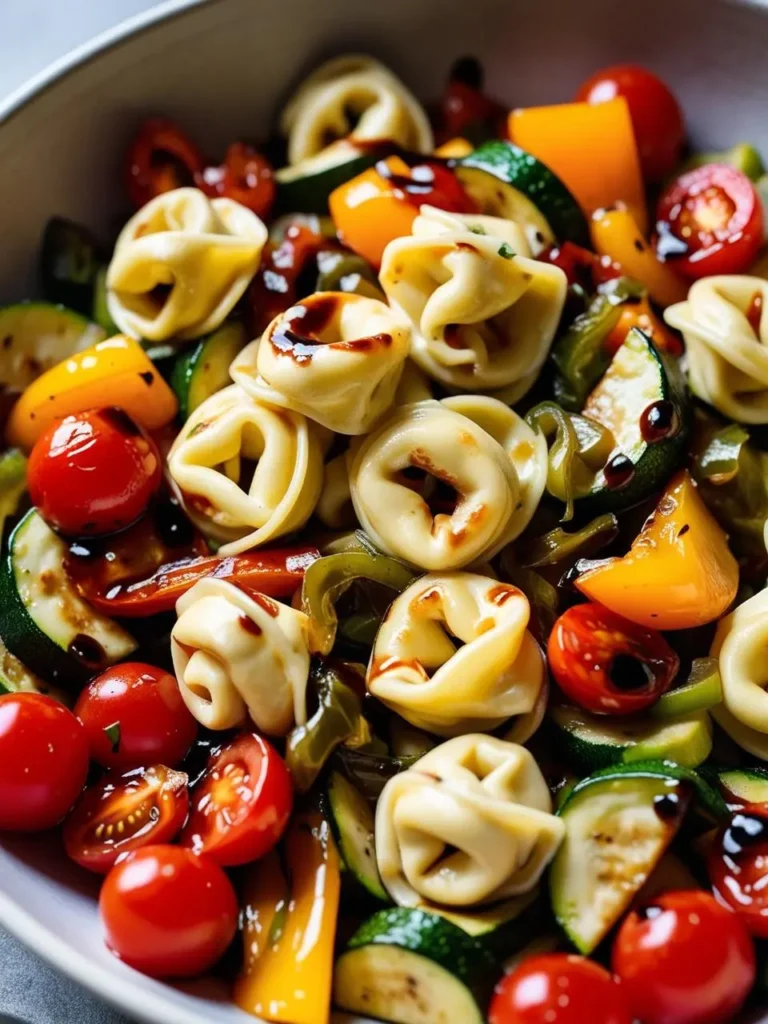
(221, 67)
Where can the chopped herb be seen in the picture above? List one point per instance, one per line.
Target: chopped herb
(477, 229)
(113, 735)
(506, 251)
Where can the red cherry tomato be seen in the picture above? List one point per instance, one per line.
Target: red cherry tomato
(577, 264)
(737, 863)
(44, 758)
(464, 107)
(276, 287)
(241, 805)
(245, 176)
(134, 715)
(125, 812)
(710, 221)
(167, 912)
(656, 115)
(559, 988)
(608, 665)
(684, 960)
(159, 159)
(93, 473)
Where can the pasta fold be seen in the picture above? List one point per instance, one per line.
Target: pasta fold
(724, 322)
(335, 357)
(181, 263)
(741, 647)
(417, 670)
(246, 471)
(237, 656)
(483, 317)
(469, 823)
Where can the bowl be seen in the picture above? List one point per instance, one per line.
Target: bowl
(222, 67)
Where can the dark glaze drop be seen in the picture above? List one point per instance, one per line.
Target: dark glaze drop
(629, 673)
(87, 650)
(120, 420)
(618, 472)
(745, 830)
(172, 524)
(421, 180)
(249, 625)
(668, 806)
(659, 421)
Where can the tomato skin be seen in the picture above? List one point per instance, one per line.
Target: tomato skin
(159, 159)
(44, 754)
(156, 798)
(715, 216)
(167, 912)
(241, 805)
(656, 115)
(737, 863)
(93, 473)
(559, 988)
(155, 725)
(684, 960)
(592, 648)
(245, 176)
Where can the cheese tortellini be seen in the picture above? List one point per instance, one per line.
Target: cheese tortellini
(418, 671)
(247, 471)
(469, 823)
(336, 357)
(319, 115)
(727, 350)
(490, 465)
(483, 315)
(181, 263)
(741, 647)
(237, 656)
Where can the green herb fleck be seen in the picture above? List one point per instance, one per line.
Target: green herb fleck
(113, 735)
(506, 251)
(477, 229)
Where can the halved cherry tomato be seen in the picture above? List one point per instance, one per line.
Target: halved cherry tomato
(577, 264)
(606, 664)
(241, 805)
(125, 812)
(277, 285)
(710, 221)
(657, 119)
(159, 159)
(465, 107)
(559, 988)
(737, 863)
(245, 176)
(167, 912)
(44, 758)
(684, 959)
(134, 715)
(93, 473)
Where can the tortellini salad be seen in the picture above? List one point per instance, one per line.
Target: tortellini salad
(386, 524)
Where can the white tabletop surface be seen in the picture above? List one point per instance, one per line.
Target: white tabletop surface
(34, 33)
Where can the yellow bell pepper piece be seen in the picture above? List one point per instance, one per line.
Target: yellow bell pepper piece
(679, 572)
(289, 936)
(590, 146)
(454, 149)
(615, 234)
(113, 372)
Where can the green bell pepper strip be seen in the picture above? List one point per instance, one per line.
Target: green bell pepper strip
(557, 545)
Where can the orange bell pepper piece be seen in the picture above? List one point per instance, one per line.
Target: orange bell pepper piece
(290, 929)
(679, 572)
(591, 146)
(113, 372)
(639, 314)
(616, 235)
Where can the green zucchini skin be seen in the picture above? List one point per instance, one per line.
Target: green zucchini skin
(749, 785)
(37, 336)
(353, 826)
(308, 193)
(69, 260)
(203, 369)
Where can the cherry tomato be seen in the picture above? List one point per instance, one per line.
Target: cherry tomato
(608, 665)
(737, 863)
(277, 285)
(684, 959)
(93, 473)
(464, 107)
(133, 714)
(124, 812)
(241, 805)
(656, 116)
(159, 159)
(710, 221)
(559, 988)
(245, 176)
(167, 912)
(44, 757)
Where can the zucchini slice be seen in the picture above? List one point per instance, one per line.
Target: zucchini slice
(13, 483)
(69, 261)
(702, 691)
(16, 678)
(305, 187)
(100, 309)
(596, 741)
(353, 826)
(747, 785)
(46, 624)
(619, 822)
(638, 378)
(412, 967)
(204, 369)
(34, 336)
(506, 181)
